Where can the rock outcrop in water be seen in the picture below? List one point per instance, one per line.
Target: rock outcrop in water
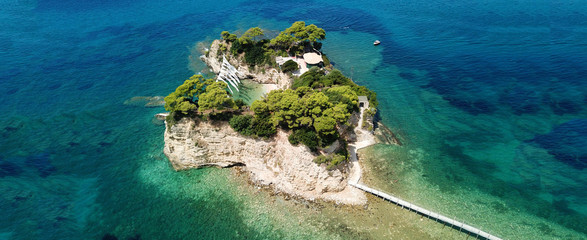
(275, 162)
(146, 101)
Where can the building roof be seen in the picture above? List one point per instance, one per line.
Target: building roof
(363, 99)
(312, 58)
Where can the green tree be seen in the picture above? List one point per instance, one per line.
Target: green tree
(339, 113)
(239, 103)
(260, 108)
(263, 127)
(335, 77)
(309, 78)
(343, 94)
(306, 136)
(298, 36)
(283, 41)
(317, 103)
(325, 125)
(242, 124)
(313, 33)
(308, 109)
(224, 35)
(228, 36)
(251, 35)
(185, 97)
(289, 66)
(173, 103)
(215, 97)
(284, 104)
(299, 108)
(255, 54)
(303, 91)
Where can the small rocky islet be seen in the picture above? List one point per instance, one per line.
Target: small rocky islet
(296, 138)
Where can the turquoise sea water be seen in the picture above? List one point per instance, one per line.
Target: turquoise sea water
(488, 98)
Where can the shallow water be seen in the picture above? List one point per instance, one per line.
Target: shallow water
(488, 98)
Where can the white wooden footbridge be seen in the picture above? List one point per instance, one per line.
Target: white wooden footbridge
(455, 224)
(354, 181)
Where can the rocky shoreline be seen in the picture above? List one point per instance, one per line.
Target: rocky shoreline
(261, 75)
(274, 162)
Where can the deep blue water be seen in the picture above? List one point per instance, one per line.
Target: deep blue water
(455, 79)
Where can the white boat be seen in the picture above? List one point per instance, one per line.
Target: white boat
(377, 42)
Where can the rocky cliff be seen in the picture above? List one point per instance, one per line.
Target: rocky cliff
(261, 74)
(274, 162)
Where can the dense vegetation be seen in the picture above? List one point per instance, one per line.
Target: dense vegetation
(314, 110)
(299, 36)
(198, 94)
(306, 137)
(306, 108)
(331, 161)
(289, 66)
(257, 126)
(317, 78)
(258, 51)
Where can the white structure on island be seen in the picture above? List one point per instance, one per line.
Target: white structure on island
(363, 102)
(229, 75)
(312, 58)
(300, 61)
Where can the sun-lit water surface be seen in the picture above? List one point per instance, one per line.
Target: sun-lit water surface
(487, 99)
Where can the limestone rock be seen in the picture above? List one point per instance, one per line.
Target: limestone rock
(275, 162)
(262, 74)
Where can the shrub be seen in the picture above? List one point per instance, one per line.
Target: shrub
(335, 161)
(239, 103)
(317, 45)
(314, 74)
(327, 139)
(321, 159)
(222, 48)
(262, 127)
(224, 34)
(344, 149)
(236, 48)
(228, 37)
(306, 137)
(231, 38)
(172, 118)
(241, 124)
(220, 116)
(252, 126)
(332, 161)
(289, 66)
(255, 55)
(335, 77)
(325, 60)
(293, 139)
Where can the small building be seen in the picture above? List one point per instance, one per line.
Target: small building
(312, 59)
(363, 102)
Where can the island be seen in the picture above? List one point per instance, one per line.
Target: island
(300, 139)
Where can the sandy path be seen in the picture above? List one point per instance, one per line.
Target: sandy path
(364, 139)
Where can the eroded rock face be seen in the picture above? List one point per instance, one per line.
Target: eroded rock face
(275, 162)
(263, 75)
